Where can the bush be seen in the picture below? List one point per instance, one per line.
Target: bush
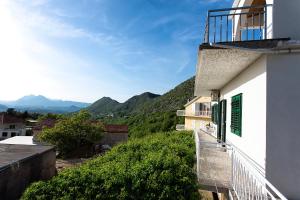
(72, 132)
(159, 166)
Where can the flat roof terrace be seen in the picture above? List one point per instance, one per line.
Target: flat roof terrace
(21, 165)
(11, 153)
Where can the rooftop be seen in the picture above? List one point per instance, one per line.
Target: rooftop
(12, 154)
(113, 128)
(6, 118)
(24, 140)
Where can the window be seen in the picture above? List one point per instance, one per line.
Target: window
(4, 134)
(13, 134)
(12, 126)
(236, 114)
(215, 113)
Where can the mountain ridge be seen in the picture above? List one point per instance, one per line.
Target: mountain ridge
(40, 103)
(146, 102)
(107, 105)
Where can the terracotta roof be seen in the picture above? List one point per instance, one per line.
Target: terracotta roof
(113, 128)
(10, 119)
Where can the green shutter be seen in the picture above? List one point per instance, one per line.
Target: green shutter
(236, 114)
(214, 114)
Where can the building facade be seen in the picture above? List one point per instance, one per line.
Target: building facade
(249, 63)
(197, 114)
(11, 126)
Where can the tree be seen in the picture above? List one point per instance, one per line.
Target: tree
(72, 132)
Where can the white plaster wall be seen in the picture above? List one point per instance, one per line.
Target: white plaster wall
(283, 123)
(252, 83)
(286, 19)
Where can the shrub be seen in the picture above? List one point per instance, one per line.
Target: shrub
(72, 132)
(159, 166)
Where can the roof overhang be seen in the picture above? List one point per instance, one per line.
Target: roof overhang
(192, 101)
(219, 63)
(217, 66)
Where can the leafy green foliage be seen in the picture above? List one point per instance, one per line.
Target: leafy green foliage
(158, 166)
(141, 125)
(72, 132)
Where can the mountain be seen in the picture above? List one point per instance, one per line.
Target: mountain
(147, 102)
(106, 105)
(39, 103)
(103, 106)
(172, 100)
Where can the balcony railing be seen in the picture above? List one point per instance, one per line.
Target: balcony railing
(236, 171)
(180, 113)
(180, 127)
(238, 24)
(195, 114)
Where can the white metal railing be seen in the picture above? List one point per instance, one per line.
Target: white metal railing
(248, 181)
(247, 178)
(180, 127)
(196, 113)
(203, 113)
(180, 112)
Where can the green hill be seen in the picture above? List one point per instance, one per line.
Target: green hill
(148, 113)
(135, 104)
(145, 103)
(103, 106)
(107, 106)
(172, 100)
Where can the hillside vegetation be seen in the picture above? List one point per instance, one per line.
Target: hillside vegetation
(147, 114)
(159, 166)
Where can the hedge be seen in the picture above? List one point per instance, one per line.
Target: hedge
(158, 166)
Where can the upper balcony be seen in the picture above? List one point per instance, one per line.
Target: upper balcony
(237, 24)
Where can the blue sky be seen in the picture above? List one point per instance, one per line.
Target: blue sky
(86, 49)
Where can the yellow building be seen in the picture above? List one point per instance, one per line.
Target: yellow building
(197, 115)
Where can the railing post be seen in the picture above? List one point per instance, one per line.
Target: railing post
(266, 25)
(208, 23)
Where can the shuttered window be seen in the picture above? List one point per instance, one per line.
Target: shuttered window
(214, 113)
(236, 114)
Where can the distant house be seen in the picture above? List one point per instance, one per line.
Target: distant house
(197, 114)
(11, 126)
(114, 134)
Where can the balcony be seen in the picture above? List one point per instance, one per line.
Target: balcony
(183, 113)
(225, 169)
(239, 24)
(180, 127)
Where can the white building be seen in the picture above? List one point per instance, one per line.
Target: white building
(11, 126)
(250, 62)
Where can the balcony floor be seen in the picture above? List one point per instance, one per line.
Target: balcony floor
(215, 165)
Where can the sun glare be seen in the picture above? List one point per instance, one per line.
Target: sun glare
(16, 66)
